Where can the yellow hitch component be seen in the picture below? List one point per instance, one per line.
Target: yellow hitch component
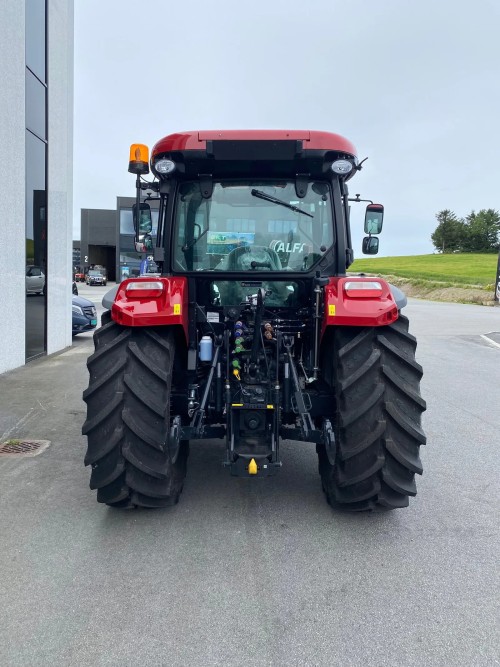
(252, 467)
(236, 374)
(139, 159)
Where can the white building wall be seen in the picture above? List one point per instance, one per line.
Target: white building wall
(12, 179)
(12, 184)
(60, 173)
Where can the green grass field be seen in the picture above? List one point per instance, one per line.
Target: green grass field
(458, 269)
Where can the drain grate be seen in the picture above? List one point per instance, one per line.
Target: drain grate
(17, 448)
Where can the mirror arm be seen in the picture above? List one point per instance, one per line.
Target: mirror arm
(357, 199)
(150, 185)
(137, 206)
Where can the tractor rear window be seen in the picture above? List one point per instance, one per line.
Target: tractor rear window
(236, 292)
(252, 226)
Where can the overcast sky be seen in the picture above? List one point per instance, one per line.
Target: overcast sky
(415, 86)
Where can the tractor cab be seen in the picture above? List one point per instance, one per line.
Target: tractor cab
(281, 195)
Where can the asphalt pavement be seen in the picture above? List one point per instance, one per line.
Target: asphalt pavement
(257, 572)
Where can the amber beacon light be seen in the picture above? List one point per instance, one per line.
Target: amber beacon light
(139, 159)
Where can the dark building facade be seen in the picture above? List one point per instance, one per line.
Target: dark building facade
(107, 239)
(98, 240)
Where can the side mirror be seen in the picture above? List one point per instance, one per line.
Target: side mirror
(144, 244)
(143, 223)
(374, 218)
(370, 245)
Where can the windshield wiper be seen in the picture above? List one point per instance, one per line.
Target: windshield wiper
(274, 200)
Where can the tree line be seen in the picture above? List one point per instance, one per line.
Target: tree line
(477, 232)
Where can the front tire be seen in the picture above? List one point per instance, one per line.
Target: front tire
(128, 418)
(378, 408)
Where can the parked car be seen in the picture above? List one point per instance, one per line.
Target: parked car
(84, 315)
(95, 277)
(101, 269)
(80, 277)
(35, 280)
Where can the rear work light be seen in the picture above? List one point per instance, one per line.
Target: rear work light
(362, 288)
(342, 167)
(144, 288)
(164, 166)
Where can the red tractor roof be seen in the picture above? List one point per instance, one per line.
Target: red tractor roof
(197, 140)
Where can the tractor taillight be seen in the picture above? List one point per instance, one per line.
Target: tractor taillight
(144, 288)
(362, 288)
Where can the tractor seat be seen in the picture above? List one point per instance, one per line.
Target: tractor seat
(264, 259)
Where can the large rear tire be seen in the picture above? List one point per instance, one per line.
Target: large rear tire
(133, 460)
(378, 408)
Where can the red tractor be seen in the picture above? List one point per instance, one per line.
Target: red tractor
(250, 329)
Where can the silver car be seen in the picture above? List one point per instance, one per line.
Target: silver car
(35, 280)
(95, 277)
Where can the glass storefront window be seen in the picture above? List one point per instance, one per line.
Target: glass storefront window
(35, 105)
(36, 177)
(36, 245)
(130, 265)
(35, 37)
(127, 223)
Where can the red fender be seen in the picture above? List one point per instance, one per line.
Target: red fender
(371, 306)
(157, 302)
